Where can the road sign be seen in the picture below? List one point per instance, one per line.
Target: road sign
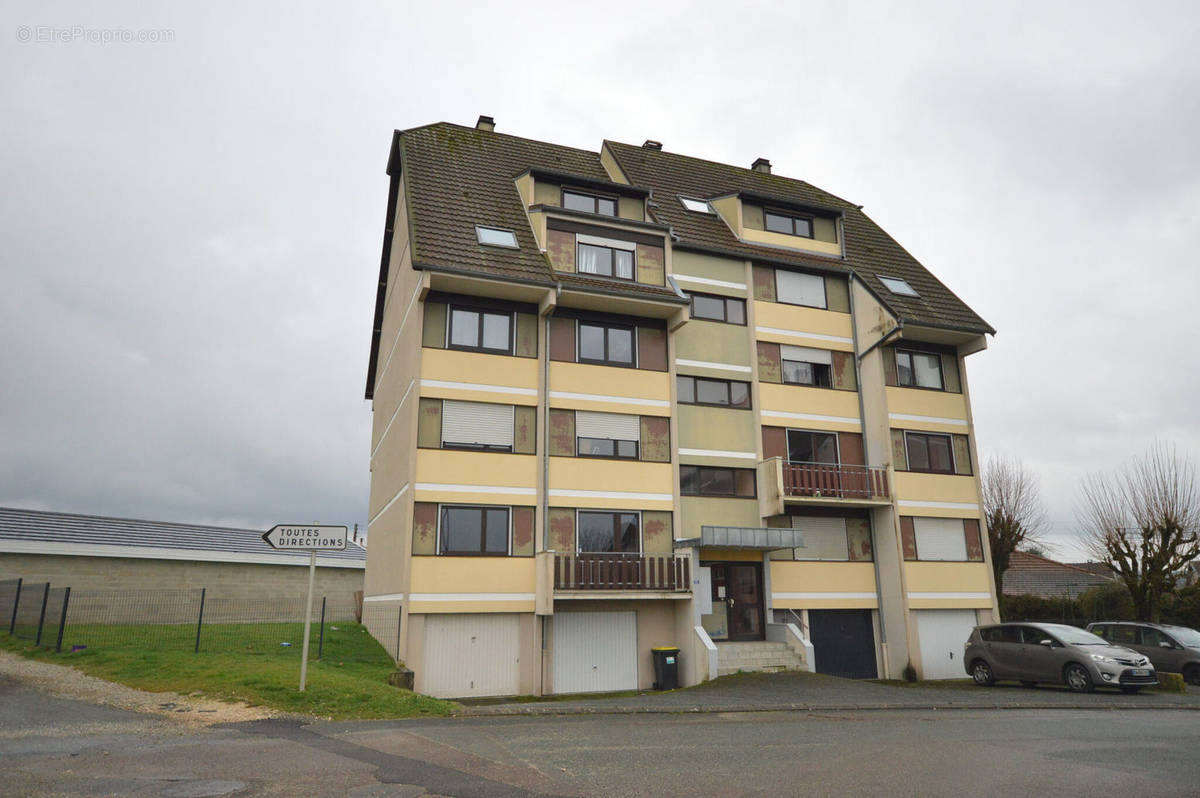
(294, 537)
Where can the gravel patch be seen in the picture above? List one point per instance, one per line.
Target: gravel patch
(66, 682)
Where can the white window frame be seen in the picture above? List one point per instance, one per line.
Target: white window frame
(897, 285)
(482, 230)
(689, 203)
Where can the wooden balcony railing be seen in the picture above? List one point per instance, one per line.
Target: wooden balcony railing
(604, 571)
(826, 481)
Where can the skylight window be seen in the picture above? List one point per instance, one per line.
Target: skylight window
(496, 237)
(696, 205)
(897, 286)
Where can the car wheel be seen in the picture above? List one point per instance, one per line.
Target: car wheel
(1028, 684)
(981, 672)
(1191, 674)
(1131, 689)
(1078, 679)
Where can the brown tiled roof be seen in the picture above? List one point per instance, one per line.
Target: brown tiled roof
(1029, 574)
(869, 250)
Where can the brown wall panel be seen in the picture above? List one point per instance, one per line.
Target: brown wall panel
(962, 454)
(899, 452)
(425, 528)
(562, 433)
(657, 537)
(429, 424)
(562, 530)
(655, 446)
(560, 247)
(562, 339)
(522, 531)
(843, 371)
(837, 294)
(889, 365)
(524, 429)
(433, 332)
(764, 283)
(908, 537)
(974, 540)
(774, 441)
(652, 349)
(950, 373)
(850, 445)
(651, 268)
(858, 538)
(527, 335)
(770, 365)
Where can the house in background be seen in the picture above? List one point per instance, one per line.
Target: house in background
(628, 398)
(1034, 575)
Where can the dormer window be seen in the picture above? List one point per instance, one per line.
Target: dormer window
(788, 223)
(696, 205)
(897, 286)
(605, 257)
(496, 237)
(589, 203)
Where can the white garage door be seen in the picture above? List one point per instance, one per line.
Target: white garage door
(471, 655)
(942, 634)
(595, 652)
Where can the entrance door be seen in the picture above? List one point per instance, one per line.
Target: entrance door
(744, 592)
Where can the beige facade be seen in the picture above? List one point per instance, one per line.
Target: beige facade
(781, 410)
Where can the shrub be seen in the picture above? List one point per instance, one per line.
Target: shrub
(1171, 683)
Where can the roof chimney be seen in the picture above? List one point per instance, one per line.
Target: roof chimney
(485, 123)
(762, 165)
(651, 144)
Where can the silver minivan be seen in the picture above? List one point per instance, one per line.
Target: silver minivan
(1052, 652)
(1173, 649)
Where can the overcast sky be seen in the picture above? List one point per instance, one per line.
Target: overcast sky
(190, 228)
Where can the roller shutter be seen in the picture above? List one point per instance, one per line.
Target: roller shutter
(612, 426)
(940, 539)
(477, 423)
(806, 354)
(824, 538)
(595, 652)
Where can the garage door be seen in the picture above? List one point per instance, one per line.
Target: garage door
(843, 643)
(471, 655)
(595, 652)
(942, 634)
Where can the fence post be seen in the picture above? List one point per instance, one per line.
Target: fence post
(200, 620)
(37, 641)
(321, 639)
(62, 622)
(12, 627)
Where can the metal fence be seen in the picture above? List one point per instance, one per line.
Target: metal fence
(196, 620)
(382, 619)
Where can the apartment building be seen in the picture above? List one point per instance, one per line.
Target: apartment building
(628, 398)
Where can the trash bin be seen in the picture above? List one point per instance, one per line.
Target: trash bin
(666, 667)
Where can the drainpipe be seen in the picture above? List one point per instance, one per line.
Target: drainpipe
(862, 415)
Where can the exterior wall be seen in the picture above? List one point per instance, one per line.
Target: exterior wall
(791, 242)
(823, 585)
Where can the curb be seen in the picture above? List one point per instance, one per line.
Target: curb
(714, 709)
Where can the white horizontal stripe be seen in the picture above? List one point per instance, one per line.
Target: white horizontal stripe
(687, 278)
(157, 553)
(809, 416)
(502, 489)
(400, 329)
(612, 494)
(385, 597)
(958, 422)
(471, 597)
(386, 429)
(399, 493)
(941, 505)
(600, 241)
(949, 595)
(800, 334)
(824, 596)
(471, 386)
(618, 400)
(704, 364)
(719, 453)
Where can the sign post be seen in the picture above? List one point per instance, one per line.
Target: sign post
(311, 538)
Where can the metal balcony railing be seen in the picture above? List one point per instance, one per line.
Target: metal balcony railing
(829, 481)
(618, 571)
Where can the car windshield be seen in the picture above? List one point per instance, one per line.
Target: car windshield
(1071, 636)
(1185, 636)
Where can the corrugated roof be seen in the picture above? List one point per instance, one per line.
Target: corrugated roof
(55, 530)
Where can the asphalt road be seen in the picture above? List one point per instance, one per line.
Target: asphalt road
(58, 747)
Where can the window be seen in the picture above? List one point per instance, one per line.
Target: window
(806, 446)
(1155, 639)
(1122, 635)
(788, 224)
(712, 481)
(897, 286)
(605, 261)
(605, 344)
(481, 330)
(719, 308)
(931, 453)
(589, 203)
(478, 531)
(919, 369)
(805, 366)
(719, 393)
(795, 288)
(609, 532)
(607, 434)
(496, 237)
(940, 539)
(824, 538)
(696, 205)
(477, 425)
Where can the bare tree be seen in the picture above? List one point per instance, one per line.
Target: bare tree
(1012, 506)
(1144, 523)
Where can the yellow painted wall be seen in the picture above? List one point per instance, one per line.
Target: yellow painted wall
(814, 401)
(611, 166)
(471, 575)
(717, 428)
(913, 487)
(822, 577)
(715, 342)
(798, 320)
(525, 189)
(457, 467)
(730, 209)
(710, 267)
(790, 242)
(451, 365)
(545, 193)
(599, 474)
(948, 577)
(918, 402)
(607, 381)
(700, 511)
(730, 555)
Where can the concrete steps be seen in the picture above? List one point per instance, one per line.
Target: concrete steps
(759, 655)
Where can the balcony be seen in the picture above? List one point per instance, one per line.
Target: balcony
(670, 573)
(783, 482)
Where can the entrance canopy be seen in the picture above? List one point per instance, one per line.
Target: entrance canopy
(744, 537)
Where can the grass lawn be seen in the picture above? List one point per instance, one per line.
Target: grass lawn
(244, 662)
